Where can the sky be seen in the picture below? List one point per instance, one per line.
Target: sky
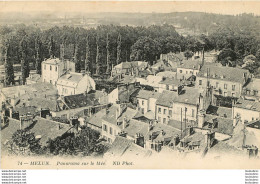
(220, 7)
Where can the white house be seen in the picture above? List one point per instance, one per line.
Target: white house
(53, 68)
(75, 83)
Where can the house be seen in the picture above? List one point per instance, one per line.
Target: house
(75, 83)
(42, 95)
(160, 135)
(116, 120)
(246, 111)
(188, 68)
(33, 78)
(151, 80)
(181, 106)
(146, 101)
(80, 104)
(95, 121)
(54, 68)
(226, 81)
(252, 90)
(170, 84)
(129, 68)
(126, 148)
(43, 129)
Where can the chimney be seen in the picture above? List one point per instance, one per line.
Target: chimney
(176, 140)
(252, 151)
(189, 130)
(210, 137)
(150, 127)
(201, 118)
(25, 121)
(162, 132)
(107, 111)
(122, 134)
(139, 140)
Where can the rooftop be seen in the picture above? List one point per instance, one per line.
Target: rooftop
(48, 129)
(190, 64)
(224, 73)
(81, 100)
(125, 147)
(145, 94)
(171, 81)
(247, 104)
(134, 126)
(224, 125)
(96, 119)
(73, 78)
(52, 61)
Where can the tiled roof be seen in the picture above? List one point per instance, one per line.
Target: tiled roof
(125, 147)
(254, 84)
(190, 64)
(81, 100)
(96, 119)
(166, 98)
(247, 104)
(189, 96)
(167, 74)
(48, 129)
(167, 134)
(220, 111)
(72, 79)
(224, 73)
(224, 125)
(135, 126)
(8, 131)
(170, 81)
(145, 94)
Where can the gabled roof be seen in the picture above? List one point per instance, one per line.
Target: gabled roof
(247, 104)
(81, 100)
(96, 119)
(224, 73)
(224, 125)
(48, 129)
(166, 98)
(170, 81)
(145, 94)
(122, 147)
(190, 64)
(72, 79)
(135, 126)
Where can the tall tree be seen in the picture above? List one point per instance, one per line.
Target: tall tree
(108, 54)
(98, 57)
(87, 60)
(76, 58)
(38, 56)
(9, 70)
(119, 43)
(51, 47)
(25, 67)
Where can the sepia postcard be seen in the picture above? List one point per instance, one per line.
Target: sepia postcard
(130, 84)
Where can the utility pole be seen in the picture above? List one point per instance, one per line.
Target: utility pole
(185, 121)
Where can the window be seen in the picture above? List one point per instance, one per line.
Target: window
(105, 127)
(216, 84)
(44, 67)
(233, 95)
(137, 101)
(255, 92)
(111, 130)
(180, 71)
(233, 87)
(56, 68)
(225, 86)
(191, 72)
(51, 81)
(142, 110)
(164, 120)
(170, 113)
(200, 82)
(164, 111)
(192, 113)
(142, 102)
(159, 110)
(186, 72)
(159, 119)
(167, 87)
(225, 93)
(50, 67)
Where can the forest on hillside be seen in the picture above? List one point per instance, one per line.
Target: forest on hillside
(107, 45)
